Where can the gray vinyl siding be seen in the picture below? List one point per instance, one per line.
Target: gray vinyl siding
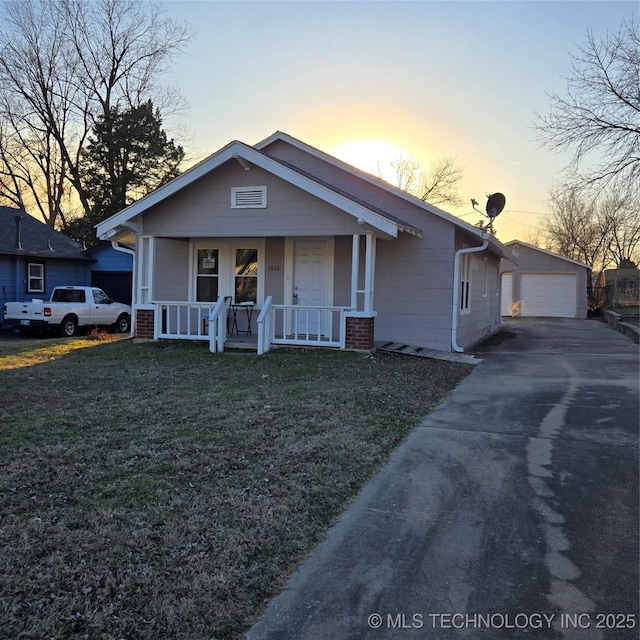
(171, 270)
(342, 270)
(203, 209)
(274, 273)
(413, 289)
(484, 317)
(414, 276)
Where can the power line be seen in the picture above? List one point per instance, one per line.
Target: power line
(538, 213)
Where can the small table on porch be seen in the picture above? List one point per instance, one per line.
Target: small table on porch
(233, 310)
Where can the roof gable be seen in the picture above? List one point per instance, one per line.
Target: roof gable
(36, 238)
(280, 136)
(514, 243)
(383, 222)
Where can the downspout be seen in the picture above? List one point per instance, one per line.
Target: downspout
(456, 288)
(131, 252)
(117, 247)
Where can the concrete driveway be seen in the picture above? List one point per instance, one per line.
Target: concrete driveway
(511, 512)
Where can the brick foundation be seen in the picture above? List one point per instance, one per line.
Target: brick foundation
(144, 324)
(359, 333)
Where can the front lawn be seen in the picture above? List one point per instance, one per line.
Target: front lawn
(157, 491)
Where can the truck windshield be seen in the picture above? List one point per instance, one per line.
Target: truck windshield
(67, 295)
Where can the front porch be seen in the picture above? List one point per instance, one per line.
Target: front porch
(293, 325)
(262, 292)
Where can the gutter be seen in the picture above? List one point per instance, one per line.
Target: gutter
(456, 288)
(117, 247)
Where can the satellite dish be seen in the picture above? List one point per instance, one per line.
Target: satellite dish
(495, 205)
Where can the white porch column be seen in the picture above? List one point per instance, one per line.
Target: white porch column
(144, 276)
(369, 272)
(359, 320)
(355, 270)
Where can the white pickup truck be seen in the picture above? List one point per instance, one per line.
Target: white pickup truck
(68, 309)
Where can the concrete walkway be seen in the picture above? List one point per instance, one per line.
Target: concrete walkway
(511, 512)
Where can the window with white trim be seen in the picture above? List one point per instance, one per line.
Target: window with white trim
(465, 284)
(233, 268)
(207, 274)
(248, 197)
(35, 277)
(246, 276)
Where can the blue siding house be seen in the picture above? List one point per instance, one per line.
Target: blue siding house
(112, 270)
(34, 258)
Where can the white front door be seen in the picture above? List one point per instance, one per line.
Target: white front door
(310, 282)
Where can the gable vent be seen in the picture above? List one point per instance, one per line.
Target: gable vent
(248, 197)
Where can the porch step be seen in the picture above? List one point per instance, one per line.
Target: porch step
(244, 343)
(423, 352)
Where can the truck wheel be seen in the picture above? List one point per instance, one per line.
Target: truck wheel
(68, 327)
(123, 323)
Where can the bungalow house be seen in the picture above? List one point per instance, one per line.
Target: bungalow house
(34, 258)
(292, 245)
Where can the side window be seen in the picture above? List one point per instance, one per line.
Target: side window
(465, 284)
(35, 278)
(99, 297)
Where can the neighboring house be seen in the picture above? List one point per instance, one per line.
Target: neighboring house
(112, 270)
(543, 284)
(327, 255)
(34, 258)
(622, 287)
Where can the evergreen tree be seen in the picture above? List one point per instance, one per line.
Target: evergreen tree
(127, 157)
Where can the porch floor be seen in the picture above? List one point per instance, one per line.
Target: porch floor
(423, 352)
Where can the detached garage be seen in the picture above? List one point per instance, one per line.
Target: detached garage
(543, 284)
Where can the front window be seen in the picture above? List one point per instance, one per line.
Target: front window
(231, 268)
(207, 275)
(246, 276)
(35, 278)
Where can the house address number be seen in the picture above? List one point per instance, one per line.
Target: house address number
(273, 267)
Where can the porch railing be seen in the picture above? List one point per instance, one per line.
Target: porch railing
(265, 326)
(192, 321)
(301, 325)
(278, 324)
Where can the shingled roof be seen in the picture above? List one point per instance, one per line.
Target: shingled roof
(36, 238)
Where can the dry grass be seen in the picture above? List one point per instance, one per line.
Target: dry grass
(630, 314)
(155, 491)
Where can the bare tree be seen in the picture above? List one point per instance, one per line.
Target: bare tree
(621, 215)
(575, 230)
(437, 184)
(36, 97)
(602, 231)
(597, 119)
(63, 66)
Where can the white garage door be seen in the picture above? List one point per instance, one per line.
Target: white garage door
(550, 295)
(507, 293)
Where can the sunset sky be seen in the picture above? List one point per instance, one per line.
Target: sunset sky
(368, 80)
